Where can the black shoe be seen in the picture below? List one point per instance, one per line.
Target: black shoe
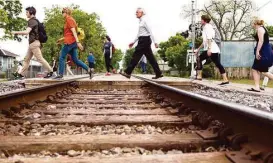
(157, 76)
(19, 77)
(59, 77)
(48, 75)
(125, 75)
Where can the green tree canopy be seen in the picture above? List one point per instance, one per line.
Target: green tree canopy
(232, 18)
(175, 51)
(9, 18)
(270, 30)
(94, 35)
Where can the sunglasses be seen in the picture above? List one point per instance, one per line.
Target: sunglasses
(63, 12)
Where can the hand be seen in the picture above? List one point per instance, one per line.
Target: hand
(80, 46)
(131, 45)
(59, 41)
(156, 45)
(196, 53)
(258, 56)
(209, 52)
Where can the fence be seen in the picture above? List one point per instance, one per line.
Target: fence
(237, 53)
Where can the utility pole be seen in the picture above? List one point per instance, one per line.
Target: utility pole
(193, 39)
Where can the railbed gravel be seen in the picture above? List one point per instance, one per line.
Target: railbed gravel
(113, 152)
(28, 129)
(10, 86)
(262, 102)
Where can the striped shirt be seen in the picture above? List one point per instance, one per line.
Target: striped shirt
(144, 29)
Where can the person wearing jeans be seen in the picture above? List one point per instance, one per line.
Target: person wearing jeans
(71, 43)
(143, 64)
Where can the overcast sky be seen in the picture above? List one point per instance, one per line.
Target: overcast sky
(118, 17)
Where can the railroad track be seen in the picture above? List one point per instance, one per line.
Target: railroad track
(153, 123)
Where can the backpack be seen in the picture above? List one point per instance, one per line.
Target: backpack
(217, 37)
(81, 34)
(41, 32)
(113, 49)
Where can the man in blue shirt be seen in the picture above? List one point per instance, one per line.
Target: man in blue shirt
(91, 63)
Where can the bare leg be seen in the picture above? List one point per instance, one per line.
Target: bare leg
(225, 79)
(199, 74)
(269, 75)
(256, 77)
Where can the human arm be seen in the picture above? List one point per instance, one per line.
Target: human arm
(261, 32)
(198, 50)
(146, 25)
(59, 41)
(26, 32)
(76, 37)
(111, 51)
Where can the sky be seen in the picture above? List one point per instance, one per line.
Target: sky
(118, 18)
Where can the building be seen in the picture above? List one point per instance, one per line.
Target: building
(8, 66)
(7, 59)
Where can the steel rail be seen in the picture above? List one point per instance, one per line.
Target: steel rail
(255, 123)
(28, 95)
(239, 108)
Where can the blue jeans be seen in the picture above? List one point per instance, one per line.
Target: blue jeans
(72, 50)
(143, 67)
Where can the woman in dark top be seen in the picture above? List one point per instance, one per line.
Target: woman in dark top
(107, 50)
(263, 55)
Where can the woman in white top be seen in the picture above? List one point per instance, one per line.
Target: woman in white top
(211, 50)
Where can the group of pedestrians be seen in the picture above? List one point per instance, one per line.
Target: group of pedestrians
(143, 52)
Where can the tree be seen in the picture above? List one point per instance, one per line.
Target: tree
(231, 17)
(117, 57)
(127, 57)
(175, 51)
(9, 18)
(270, 30)
(94, 35)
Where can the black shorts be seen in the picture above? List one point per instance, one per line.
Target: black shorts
(91, 65)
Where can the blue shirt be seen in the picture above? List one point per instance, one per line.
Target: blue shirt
(91, 59)
(107, 47)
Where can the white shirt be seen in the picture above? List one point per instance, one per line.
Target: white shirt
(143, 59)
(144, 29)
(208, 33)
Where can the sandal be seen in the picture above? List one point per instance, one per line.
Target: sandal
(224, 83)
(253, 90)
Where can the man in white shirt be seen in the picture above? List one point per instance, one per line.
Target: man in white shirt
(143, 64)
(211, 50)
(144, 38)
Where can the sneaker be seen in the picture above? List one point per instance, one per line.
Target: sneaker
(59, 77)
(157, 76)
(125, 75)
(48, 75)
(107, 74)
(19, 77)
